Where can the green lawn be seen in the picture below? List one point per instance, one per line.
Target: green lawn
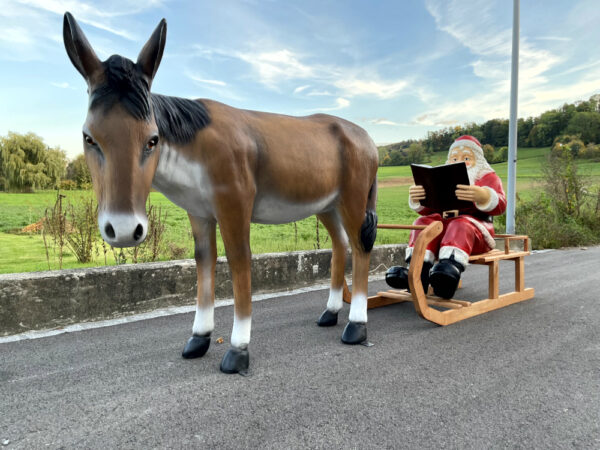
(26, 252)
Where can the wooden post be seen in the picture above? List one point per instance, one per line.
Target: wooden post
(494, 290)
(520, 274)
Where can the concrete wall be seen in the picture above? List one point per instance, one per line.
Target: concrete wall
(41, 300)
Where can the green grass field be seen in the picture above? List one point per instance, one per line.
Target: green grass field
(22, 252)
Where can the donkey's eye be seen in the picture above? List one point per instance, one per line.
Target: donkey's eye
(88, 140)
(152, 142)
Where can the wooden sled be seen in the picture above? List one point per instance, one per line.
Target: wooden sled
(455, 310)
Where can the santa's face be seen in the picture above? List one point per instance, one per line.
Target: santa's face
(462, 154)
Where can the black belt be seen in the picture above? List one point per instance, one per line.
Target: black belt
(478, 215)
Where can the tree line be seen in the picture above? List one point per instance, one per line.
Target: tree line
(579, 121)
(28, 164)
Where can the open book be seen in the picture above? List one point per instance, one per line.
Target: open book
(440, 185)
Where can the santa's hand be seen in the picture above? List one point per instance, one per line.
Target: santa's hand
(473, 194)
(416, 193)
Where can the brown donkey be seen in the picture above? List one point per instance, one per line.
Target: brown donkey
(224, 166)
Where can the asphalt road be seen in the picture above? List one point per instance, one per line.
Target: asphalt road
(525, 376)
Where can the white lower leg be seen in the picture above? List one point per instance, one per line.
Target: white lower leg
(240, 336)
(204, 321)
(336, 300)
(358, 308)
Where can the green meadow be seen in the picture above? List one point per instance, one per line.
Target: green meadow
(23, 252)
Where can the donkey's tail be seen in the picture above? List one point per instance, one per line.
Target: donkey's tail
(368, 229)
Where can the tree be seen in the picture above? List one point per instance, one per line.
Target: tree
(78, 171)
(27, 163)
(585, 124)
(415, 154)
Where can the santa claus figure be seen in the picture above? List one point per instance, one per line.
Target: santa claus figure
(466, 231)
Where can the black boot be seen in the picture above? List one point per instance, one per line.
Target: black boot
(397, 276)
(445, 276)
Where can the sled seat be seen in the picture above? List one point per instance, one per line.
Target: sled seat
(446, 312)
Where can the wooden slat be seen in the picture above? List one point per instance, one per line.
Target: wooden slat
(383, 226)
(444, 304)
(456, 315)
(496, 255)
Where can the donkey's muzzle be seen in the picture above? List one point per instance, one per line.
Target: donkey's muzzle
(123, 230)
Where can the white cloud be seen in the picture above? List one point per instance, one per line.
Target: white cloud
(63, 85)
(383, 122)
(201, 80)
(491, 49)
(274, 66)
(378, 88)
(340, 103)
(299, 89)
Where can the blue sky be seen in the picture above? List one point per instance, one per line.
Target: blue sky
(397, 68)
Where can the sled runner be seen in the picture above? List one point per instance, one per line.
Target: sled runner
(453, 310)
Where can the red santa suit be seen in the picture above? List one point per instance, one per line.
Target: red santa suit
(472, 231)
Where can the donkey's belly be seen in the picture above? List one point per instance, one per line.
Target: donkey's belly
(270, 209)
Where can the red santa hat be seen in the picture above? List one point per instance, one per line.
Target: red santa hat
(470, 142)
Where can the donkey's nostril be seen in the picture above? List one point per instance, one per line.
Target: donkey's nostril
(109, 230)
(139, 231)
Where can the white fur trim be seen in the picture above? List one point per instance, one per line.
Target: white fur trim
(460, 256)
(489, 240)
(492, 202)
(467, 143)
(415, 206)
(429, 255)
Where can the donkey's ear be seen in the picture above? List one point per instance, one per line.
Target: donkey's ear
(150, 56)
(79, 49)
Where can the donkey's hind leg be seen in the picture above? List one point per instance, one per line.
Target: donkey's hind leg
(205, 253)
(339, 244)
(360, 225)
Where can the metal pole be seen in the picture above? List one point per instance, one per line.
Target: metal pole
(512, 125)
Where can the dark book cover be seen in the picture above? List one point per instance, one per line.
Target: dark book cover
(440, 185)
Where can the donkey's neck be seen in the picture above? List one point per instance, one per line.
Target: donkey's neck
(179, 119)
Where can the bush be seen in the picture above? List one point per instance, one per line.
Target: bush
(67, 185)
(566, 213)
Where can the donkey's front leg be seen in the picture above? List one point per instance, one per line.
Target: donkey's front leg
(236, 238)
(205, 253)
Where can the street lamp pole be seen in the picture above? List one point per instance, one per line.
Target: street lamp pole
(512, 126)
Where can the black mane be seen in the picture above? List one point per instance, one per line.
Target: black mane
(178, 119)
(126, 85)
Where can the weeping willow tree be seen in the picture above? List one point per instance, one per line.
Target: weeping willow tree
(27, 163)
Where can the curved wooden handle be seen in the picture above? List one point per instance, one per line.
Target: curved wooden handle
(430, 232)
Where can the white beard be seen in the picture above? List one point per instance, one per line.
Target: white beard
(478, 170)
(473, 171)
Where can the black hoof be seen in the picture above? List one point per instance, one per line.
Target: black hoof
(327, 319)
(354, 333)
(196, 346)
(235, 361)
(444, 278)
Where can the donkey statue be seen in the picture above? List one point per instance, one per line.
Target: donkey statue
(229, 167)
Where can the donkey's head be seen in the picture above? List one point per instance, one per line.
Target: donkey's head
(120, 135)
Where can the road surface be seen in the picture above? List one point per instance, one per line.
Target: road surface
(525, 376)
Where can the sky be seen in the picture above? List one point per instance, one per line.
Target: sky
(397, 68)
